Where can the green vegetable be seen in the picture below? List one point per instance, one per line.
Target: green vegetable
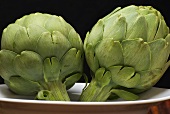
(127, 52)
(41, 54)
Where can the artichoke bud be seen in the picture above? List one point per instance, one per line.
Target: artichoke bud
(133, 44)
(42, 49)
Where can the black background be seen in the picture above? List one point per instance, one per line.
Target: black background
(81, 14)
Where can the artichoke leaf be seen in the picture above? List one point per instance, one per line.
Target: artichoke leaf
(129, 21)
(35, 19)
(143, 11)
(126, 95)
(96, 92)
(114, 55)
(138, 30)
(56, 45)
(29, 65)
(128, 9)
(158, 14)
(166, 66)
(162, 30)
(22, 41)
(125, 76)
(20, 21)
(22, 86)
(8, 36)
(60, 44)
(118, 11)
(57, 23)
(71, 63)
(99, 87)
(45, 95)
(152, 21)
(159, 53)
(70, 81)
(116, 29)
(35, 32)
(85, 40)
(102, 77)
(137, 54)
(149, 79)
(75, 40)
(91, 58)
(96, 33)
(51, 69)
(167, 38)
(6, 64)
(110, 14)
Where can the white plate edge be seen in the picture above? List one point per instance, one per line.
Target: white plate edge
(137, 102)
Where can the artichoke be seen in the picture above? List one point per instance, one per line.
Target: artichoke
(41, 55)
(127, 52)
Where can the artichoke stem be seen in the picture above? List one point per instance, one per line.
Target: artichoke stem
(95, 92)
(54, 91)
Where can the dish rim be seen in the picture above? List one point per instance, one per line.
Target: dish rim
(136, 102)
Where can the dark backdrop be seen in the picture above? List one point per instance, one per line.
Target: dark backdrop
(81, 14)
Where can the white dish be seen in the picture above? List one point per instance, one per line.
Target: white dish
(11, 103)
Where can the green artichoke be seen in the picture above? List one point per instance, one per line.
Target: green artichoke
(41, 55)
(127, 52)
